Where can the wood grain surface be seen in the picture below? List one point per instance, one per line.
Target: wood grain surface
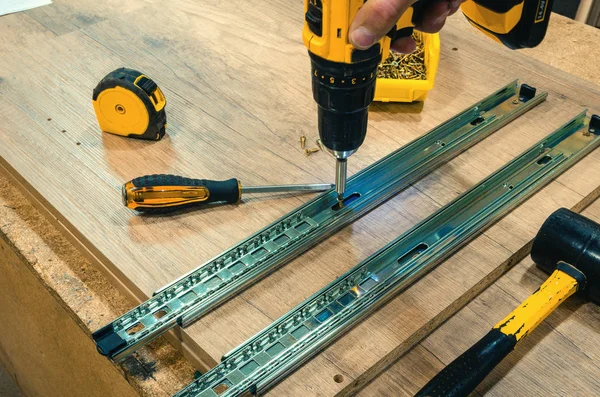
(560, 358)
(238, 89)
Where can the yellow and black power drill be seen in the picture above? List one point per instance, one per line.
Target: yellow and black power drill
(343, 77)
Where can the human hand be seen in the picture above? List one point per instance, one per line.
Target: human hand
(377, 17)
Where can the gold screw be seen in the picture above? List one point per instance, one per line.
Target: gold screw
(319, 144)
(311, 151)
(405, 66)
(302, 141)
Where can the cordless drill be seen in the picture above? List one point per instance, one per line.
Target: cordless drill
(343, 77)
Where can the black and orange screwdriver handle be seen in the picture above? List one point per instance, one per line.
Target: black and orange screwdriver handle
(514, 23)
(568, 245)
(156, 192)
(159, 193)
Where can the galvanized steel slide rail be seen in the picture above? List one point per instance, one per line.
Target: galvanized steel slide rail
(268, 357)
(201, 290)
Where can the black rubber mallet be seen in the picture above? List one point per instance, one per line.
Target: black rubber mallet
(568, 247)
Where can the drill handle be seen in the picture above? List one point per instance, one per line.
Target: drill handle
(413, 16)
(405, 25)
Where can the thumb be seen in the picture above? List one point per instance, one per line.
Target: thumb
(374, 20)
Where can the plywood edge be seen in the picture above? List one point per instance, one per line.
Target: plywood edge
(133, 293)
(29, 348)
(192, 351)
(428, 328)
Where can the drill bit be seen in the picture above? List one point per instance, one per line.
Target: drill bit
(341, 170)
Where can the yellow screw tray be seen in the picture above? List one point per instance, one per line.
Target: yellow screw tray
(400, 90)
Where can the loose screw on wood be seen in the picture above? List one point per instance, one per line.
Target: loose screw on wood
(311, 151)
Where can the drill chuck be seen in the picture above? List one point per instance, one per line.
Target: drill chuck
(343, 93)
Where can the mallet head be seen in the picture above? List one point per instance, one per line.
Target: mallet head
(572, 238)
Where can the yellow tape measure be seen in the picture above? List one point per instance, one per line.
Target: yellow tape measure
(129, 103)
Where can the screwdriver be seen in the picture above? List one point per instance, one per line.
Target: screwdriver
(156, 192)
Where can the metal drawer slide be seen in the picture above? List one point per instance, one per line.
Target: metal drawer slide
(196, 293)
(282, 347)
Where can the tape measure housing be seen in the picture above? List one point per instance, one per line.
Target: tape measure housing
(130, 104)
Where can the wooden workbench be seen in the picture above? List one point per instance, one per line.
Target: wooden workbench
(238, 99)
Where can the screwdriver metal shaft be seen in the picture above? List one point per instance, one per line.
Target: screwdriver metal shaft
(314, 187)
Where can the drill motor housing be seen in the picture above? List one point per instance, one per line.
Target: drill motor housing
(343, 77)
(343, 93)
